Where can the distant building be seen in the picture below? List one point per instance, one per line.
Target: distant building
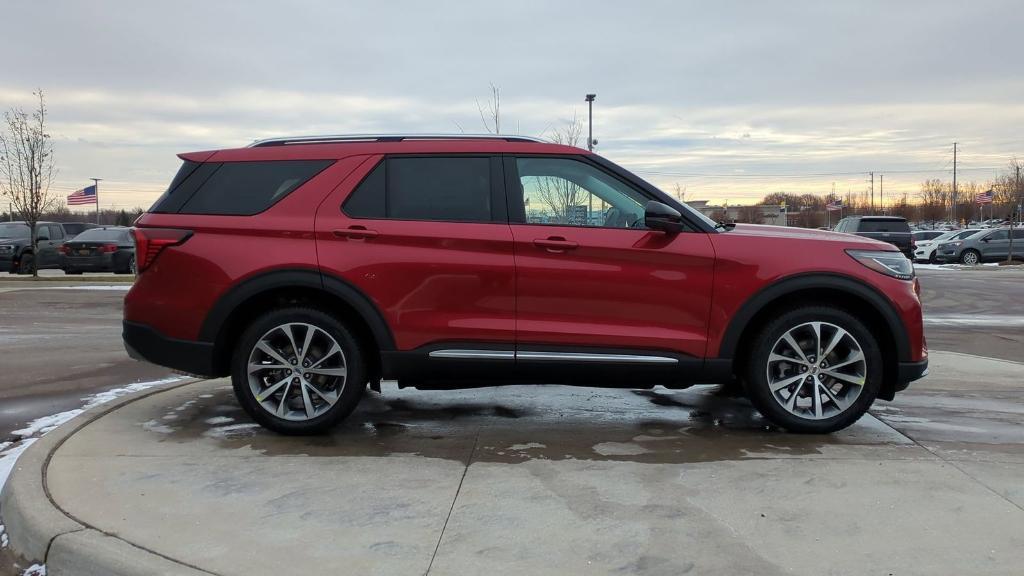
(770, 213)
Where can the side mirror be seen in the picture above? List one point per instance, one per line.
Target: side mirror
(986, 239)
(658, 216)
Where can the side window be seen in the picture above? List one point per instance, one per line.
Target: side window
(1000, 235)
(247, 188)
(1018, 234)
(568, 192)
(56, 232)
(425, 188)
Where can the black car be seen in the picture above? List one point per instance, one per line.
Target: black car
(16, 252)
(891, 229)
(104, 249)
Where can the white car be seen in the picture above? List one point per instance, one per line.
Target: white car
(924, 250)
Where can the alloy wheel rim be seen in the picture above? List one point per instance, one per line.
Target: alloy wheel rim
(970, 258)
(816, 370)
(297, 371)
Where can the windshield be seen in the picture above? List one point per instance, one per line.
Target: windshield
(13, 231)
(698, 214)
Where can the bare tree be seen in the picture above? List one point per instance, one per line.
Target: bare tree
(680, 192)
(492, 118)
(559, 194)
(26, 166)
(750, 214)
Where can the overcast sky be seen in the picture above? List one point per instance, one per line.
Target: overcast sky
(732, 100)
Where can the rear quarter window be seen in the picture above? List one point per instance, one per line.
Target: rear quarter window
(236, 188)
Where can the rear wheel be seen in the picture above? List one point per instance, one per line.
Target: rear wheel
(970, 257)
(25, 264)
(814, 370)
(298, 371)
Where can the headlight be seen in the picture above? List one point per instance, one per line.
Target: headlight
(893, 264)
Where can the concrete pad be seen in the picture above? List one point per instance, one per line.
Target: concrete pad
(552, 480)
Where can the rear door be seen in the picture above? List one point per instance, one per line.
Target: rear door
(590, 277)
(426, 238)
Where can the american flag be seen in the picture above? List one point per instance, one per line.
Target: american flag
(834, 205)
(86, 195)
(984, 197)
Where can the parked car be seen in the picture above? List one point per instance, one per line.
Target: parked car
(919, 236)
(988, 246)
(309, 268)
(17, 253)
(72, 229)
(106, 249)
(924, 250)
(891, 229)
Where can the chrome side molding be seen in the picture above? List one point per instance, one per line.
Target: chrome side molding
(467, 354)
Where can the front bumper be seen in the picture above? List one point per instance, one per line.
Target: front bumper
(143, 342)
(907, 372)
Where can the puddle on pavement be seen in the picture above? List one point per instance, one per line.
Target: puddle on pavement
(545, 423)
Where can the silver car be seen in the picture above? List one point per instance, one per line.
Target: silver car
(924, 250)
(986, 246)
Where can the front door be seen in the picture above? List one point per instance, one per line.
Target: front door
(591, 277)
(996, 245)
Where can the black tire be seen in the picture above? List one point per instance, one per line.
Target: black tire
(757, 369)
(355, 365)
(25, 264)
(128, 268)
(973, 254)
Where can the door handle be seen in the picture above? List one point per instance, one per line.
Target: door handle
(555, 244)
(356, 233)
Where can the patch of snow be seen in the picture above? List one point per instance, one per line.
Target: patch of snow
(9, 456)
(619, 449)
(527, 446)
(35, 570)
(206, 395)
(231, 431)
(154, 426)
(47, 423)
(218, 420)
(975, 320)
(3, 536)
(116, 288)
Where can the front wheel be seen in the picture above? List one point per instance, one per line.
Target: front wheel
(298, 371)
(814, 370)
(25, 265)
(970, 257)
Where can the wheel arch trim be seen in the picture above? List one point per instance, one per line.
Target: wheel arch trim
(214, 323)
(741, 320)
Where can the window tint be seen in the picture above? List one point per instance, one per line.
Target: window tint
(568, 192)
(1018, 234)
(56, 232)
(367, 200)
(883, 226)
(13, 231)
(452, 189)
(103, 235)
(1001, 235)
(439, 189)
(245, 188)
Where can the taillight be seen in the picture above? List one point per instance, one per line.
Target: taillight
(63, 249)
(110, 247)
(149, 242)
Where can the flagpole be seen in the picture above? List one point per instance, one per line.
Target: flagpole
(96, 183)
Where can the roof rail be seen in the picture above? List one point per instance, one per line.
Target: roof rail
(339, 138)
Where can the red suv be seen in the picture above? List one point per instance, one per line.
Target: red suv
(309, 268)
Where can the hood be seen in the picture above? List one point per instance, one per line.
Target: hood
(765, 231)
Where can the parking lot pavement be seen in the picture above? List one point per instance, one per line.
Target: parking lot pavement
(60, 342)
(976, 311)
(558, 480)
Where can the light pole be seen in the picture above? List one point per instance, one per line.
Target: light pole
(590, 121)
(96, 183)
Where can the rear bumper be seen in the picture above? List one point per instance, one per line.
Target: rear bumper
(146, 343)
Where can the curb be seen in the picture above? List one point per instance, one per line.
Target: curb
(40, 531)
